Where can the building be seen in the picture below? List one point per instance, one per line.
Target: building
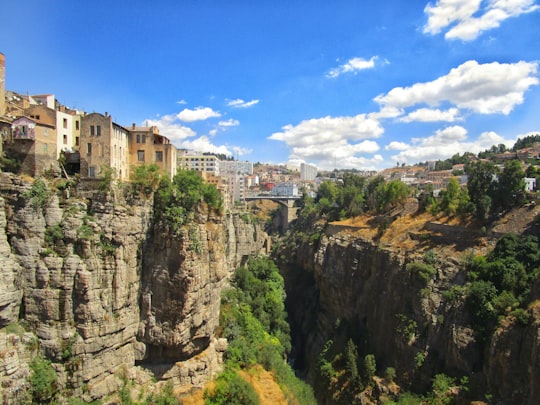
(103, 144)
(33, 145)
(187, 160)
(307, 172)
(147, 146)
(235, 166)
(285, 190)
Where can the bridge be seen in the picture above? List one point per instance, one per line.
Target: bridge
(287, 210)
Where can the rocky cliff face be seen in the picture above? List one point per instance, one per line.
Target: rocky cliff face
(349, 285)
(102, 288)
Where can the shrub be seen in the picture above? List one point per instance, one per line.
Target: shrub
(43, 380)
(425, 272)
(231, 389)
(38, 195)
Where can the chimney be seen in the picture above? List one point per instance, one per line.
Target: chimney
(133, 126)
(2, 84)
(106, 114)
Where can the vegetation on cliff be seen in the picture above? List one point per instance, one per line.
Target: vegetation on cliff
(253, 319)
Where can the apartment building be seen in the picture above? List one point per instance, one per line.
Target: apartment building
(103, 144)
(307, 172)
(187, 160)
(147, 146)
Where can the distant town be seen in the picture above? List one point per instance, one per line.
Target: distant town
(41, 135)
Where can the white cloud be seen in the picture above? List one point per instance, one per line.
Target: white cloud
(203, 144)
(181, 102)
(354, 65)
(239, 103)
(446, 143)
(228, 123)
(395, 145)
(332, 141)
(483, 88)
(171, 129)
(432, 115)
(470, 18)
(198, 114)
(241, 151)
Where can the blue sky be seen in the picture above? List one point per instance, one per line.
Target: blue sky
(341, 84)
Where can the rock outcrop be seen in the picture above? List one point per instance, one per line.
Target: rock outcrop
(104, 289)
(349, 286)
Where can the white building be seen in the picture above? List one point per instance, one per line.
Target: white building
(187, 160)
(530, 183)
(308, 172)
(234, 166)
(285, 190)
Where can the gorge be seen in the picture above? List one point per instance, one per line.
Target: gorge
(95, 282)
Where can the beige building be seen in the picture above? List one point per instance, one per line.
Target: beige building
(147, 146)
(33, 145)
(103, 144)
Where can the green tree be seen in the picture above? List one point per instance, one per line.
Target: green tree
(450, 198)
(511, 185)
(370, 365)
(481, 186)
(145, 179)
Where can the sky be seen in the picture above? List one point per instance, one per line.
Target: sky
(339, 84)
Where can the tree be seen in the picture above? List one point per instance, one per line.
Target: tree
(511, 185)
(451, 197)
(480, 186)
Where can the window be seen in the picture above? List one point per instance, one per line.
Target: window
(140, 155)
(77, 125)
(98, 130)
(65, 123)
(65, 139)
(138, 138)
(144, 138)
(76, 141)
(159, 156)
(89, 148)
(92, 171)
(91, 130)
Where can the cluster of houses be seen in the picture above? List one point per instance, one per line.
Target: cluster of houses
(39, 134)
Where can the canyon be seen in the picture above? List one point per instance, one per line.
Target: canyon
(92, 281)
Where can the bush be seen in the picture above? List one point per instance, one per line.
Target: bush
(43, 380)
(231, 389)
(38, 195)
(425, 272)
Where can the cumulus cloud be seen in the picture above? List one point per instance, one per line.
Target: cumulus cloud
(169, 127)
(239, 103)
(241, 151)
(395, 145)
(353, 65)
(488, 88)
(228, 123)
(432, 115)
(467, 19)
(445, 143)
(184, 137)
(198, 114)
(203, 144)
(332, 139)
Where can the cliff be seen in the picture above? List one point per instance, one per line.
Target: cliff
(93, 283)
(354, 283)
